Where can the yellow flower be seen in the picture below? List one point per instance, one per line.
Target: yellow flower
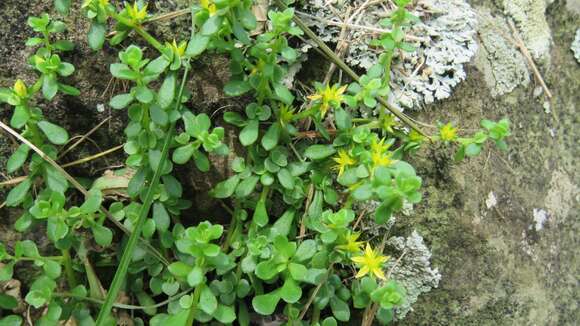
(351, 245)
(20, 88)
(328, 96)
(136, 14)
(381, 159)
(370, 262)
(380, 146)
(343, 160)
(380, 155)
(447, 132)
(209, 5)
(177, 49)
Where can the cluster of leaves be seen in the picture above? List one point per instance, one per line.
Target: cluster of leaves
(292, 244)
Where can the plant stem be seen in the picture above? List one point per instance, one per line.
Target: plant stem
(194, 302)
(144, 212)
(70, 273)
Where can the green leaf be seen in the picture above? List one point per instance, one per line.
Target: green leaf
(283, 224)
(306, 250)
(18, 193)
(212, 25)
(284, 94)
(207, 301)
(290, 291)
(144, 94)
(65, 45)
(249, 134)
(158, 116)
(96, 35)
(49, 86)
(201, 161)
(7, 271)
(68, 90)
(340, 309)
(195, 277)
(179, 269)
(57, 135)
(329, 321)
(20, 117)
(18, 158)
(167, 91)
(363, 192)
(247, 186)
(7, 302)
(237, 87)
(319, 152)
(265, 304)
(156, 67)
(92, 202)
(270, 139)
(103, 235)
(266, 270)
(226, 188)
(197, 44)
(120, 101)
(52, 269)
(473, 149)
(182, 154)
(286, 179)
(260, 216)
(12, 320)
(56, 229)
(224, 314)
(298, 272)
(161, 217)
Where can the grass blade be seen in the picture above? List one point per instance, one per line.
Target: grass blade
(121, 272)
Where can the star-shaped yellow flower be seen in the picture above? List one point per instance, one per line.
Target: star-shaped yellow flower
(136, 14)
(328, 97)
(370, 262)
(343, 160)
(351, 245)
(447, 132)
(177, 49)
(381, 159)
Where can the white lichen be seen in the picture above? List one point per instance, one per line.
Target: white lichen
(540, 217)
(503, 66)
(413, 270)
(448, 28)
(576, 46)
(530, 19)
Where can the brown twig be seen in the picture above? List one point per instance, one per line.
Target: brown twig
(522, 47)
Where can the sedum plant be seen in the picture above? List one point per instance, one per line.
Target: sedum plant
(293, 247)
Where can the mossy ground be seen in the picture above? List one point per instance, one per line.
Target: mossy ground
(497, 269)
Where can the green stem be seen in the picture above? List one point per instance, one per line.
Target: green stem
(194, 302)
(68, 269)
(144, 212)
(139, 29)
